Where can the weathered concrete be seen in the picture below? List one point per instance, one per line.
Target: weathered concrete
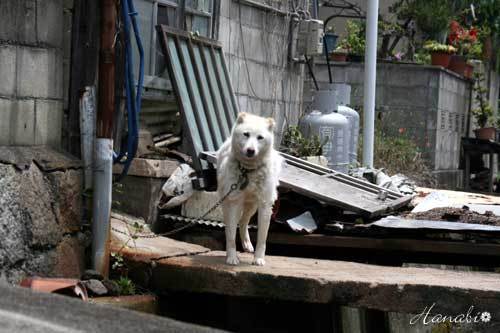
(31, 68)
(263, 81)
(425, 103)
(40, 214)
(22, 310)
(406, 290)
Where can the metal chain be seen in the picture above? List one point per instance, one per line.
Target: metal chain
(242, 182)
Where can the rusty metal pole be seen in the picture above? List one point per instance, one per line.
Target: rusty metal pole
(104, 140)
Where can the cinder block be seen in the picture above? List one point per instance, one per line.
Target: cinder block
(21, 121)
(50, 22)
(5, 113)
(39, 73)
(7, 70)
(48, 123)
(18, 21)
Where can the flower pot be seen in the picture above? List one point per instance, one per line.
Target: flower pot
(356, 58)
(339, 57)
(457, 64)
(330, 42)
(469, 71)
(486, 133)
(440, 59)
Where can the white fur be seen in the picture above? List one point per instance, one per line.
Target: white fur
(249, 133)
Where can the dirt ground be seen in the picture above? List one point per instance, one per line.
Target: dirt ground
(463, 215)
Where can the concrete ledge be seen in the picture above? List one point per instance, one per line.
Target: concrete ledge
(141, 303)
(143, 167)
(395, 289)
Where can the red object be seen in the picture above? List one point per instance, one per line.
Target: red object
(339, 57)
(457, 64)
(486, 133)
(71, 287)
(469, 71)
(440, 59)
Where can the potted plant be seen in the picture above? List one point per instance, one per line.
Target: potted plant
(355, 41)
(295, 144)
(340, 54)
(440, 53)
(463, 40)
(483, 112)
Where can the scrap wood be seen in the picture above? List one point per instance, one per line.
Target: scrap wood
(168, 142)
(457, 197)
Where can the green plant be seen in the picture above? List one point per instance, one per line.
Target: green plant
(340, 50)
(126, 286)
(354, 41)
(422, 58)
(484, 111)
(433, 46)
(295, 144)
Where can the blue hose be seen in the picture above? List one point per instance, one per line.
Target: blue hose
(133, 97)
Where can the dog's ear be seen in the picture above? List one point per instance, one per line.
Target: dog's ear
(271, 123)
(241, 117)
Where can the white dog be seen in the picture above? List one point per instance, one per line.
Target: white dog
(249, 151)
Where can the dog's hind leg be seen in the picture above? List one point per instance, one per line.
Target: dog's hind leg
(265, 211)
(232, 214)
(249, 210)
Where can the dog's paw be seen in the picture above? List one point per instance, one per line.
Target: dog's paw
(247, 246)
(259, 261)
(232, 259)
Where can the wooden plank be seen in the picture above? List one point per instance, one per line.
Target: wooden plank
(386, 244)
(331, 191)
(394, 289)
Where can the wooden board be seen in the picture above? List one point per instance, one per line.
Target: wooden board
(346, 195)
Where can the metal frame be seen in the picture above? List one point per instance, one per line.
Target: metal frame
(203, 89)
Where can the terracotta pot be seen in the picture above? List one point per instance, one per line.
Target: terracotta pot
(469, 71)
(486, 133)
(340, 57)
(457, 64)
(440, 59)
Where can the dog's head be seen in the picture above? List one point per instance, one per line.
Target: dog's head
(252, 136)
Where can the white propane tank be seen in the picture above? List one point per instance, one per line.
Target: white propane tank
(353, 118)
(333, 128)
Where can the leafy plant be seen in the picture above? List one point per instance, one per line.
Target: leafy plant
(484, 111)
(422, 58)
(295, 144)
(354, 42)
(126, 286)
(340, 50)
(433, 46)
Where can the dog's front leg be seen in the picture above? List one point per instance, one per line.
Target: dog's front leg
(264, 217)
(232, 214)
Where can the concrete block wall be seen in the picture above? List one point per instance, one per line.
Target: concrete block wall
(31, 68)
(426, 103)
(256, 56)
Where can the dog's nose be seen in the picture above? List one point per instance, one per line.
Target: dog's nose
(250, 152)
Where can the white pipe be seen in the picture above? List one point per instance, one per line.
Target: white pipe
(370, 82)
(102, 204)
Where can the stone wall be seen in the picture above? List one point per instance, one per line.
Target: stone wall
(428, 104)
(40, 213)
(31, 72)
(256, 50)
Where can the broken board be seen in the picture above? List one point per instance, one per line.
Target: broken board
(360, 199)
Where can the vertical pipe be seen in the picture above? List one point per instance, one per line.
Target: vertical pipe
(104, 141)
(370, 82)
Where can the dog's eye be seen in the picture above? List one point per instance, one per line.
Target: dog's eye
(247, 134)
(260, 137)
